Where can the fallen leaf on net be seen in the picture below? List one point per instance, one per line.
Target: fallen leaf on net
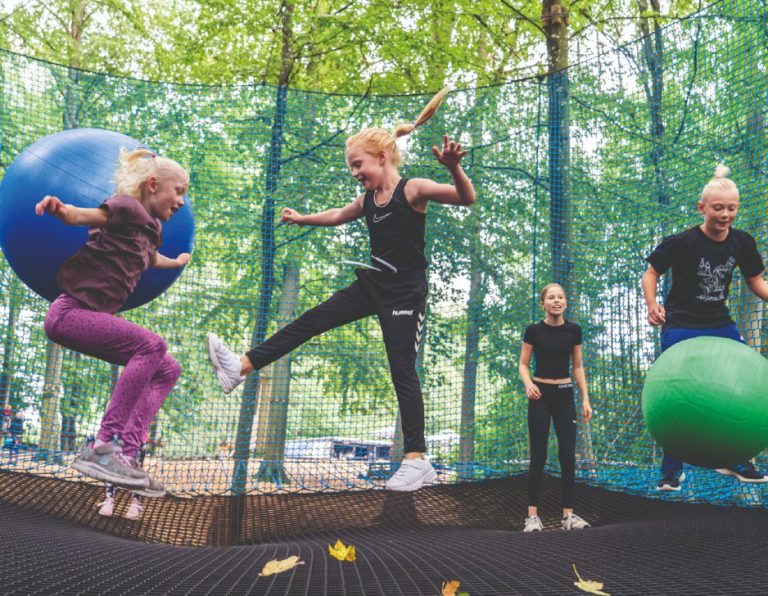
(450, 589)
(588, 585)
(341, 552)
(275, 566)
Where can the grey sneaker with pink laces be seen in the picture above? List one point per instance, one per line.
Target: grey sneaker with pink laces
(108, 463)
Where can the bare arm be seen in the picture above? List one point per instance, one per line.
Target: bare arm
(162, 262)
(329, 217)
(420, 191)
(531, 389)
(758, 287)
(656, 313)
(581, 382)
(71, 215)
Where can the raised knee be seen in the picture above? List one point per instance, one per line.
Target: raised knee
(173, 368)
(156, 345)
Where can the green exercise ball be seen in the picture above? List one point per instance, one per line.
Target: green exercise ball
(705, 400)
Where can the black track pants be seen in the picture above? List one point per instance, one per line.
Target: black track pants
(398, 301)
(556, 405)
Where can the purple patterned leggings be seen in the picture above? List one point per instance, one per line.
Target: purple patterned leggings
(149, 373)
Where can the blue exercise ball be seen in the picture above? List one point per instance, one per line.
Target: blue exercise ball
(78, 166)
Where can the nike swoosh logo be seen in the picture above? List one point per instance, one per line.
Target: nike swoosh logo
(377, 219)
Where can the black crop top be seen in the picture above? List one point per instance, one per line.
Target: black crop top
(552, 347)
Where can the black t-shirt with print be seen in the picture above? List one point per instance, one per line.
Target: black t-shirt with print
(702, 270)
(552, 348)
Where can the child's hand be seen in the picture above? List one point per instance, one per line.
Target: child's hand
(656, 315)
(52, 205)
(451, 154)
(586, 410)
(533, 391)
(290, 216)
(183, 259)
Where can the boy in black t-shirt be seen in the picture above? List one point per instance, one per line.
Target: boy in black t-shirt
(702, 260)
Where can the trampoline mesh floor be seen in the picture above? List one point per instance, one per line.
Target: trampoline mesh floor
(638, 546)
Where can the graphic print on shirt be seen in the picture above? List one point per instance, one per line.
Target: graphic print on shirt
(712, 282)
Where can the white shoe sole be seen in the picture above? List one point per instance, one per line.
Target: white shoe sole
(665, 488)
(99, 473)
(221, 376)
(740, 478)
(152, 494)
(420, 483)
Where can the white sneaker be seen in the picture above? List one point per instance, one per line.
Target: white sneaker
(533, 524)
(412, 475)
(107, 507)
(574, 522)
(225, 362)
(135, 509)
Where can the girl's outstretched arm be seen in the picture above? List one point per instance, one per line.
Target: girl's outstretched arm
(71, 215)
(329, 217)
(461, 192)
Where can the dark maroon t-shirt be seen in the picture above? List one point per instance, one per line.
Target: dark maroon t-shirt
(104, 272)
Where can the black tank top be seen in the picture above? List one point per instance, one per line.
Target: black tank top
(397, 232)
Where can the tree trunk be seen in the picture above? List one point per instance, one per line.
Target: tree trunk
(555, 18)
(50, 432)
(272, 466)
(50, 425)
(9, 341)
(250, 391)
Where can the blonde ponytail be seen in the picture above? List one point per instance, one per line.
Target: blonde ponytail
(429, 110)
(378, 140)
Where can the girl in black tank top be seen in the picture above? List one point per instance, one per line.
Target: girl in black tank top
(396, 230)
(393, 287)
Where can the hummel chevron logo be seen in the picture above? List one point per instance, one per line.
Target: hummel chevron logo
(377, 219)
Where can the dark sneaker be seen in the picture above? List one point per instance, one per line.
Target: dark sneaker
(574, 522)
(670, 483)
(108, 463)
(745, 472)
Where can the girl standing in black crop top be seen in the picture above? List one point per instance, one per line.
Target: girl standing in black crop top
(555, 342)
(393, 287)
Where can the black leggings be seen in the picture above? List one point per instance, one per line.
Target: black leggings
(555, 404)
(398, 300)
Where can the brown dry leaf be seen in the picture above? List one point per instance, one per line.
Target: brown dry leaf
(588, 585)
(275, 566)
(450, 587)
(341, 552)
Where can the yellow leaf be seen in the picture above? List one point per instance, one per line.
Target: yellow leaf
(341, 552)
(275, 566)
(450, 587)
(590, 586)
